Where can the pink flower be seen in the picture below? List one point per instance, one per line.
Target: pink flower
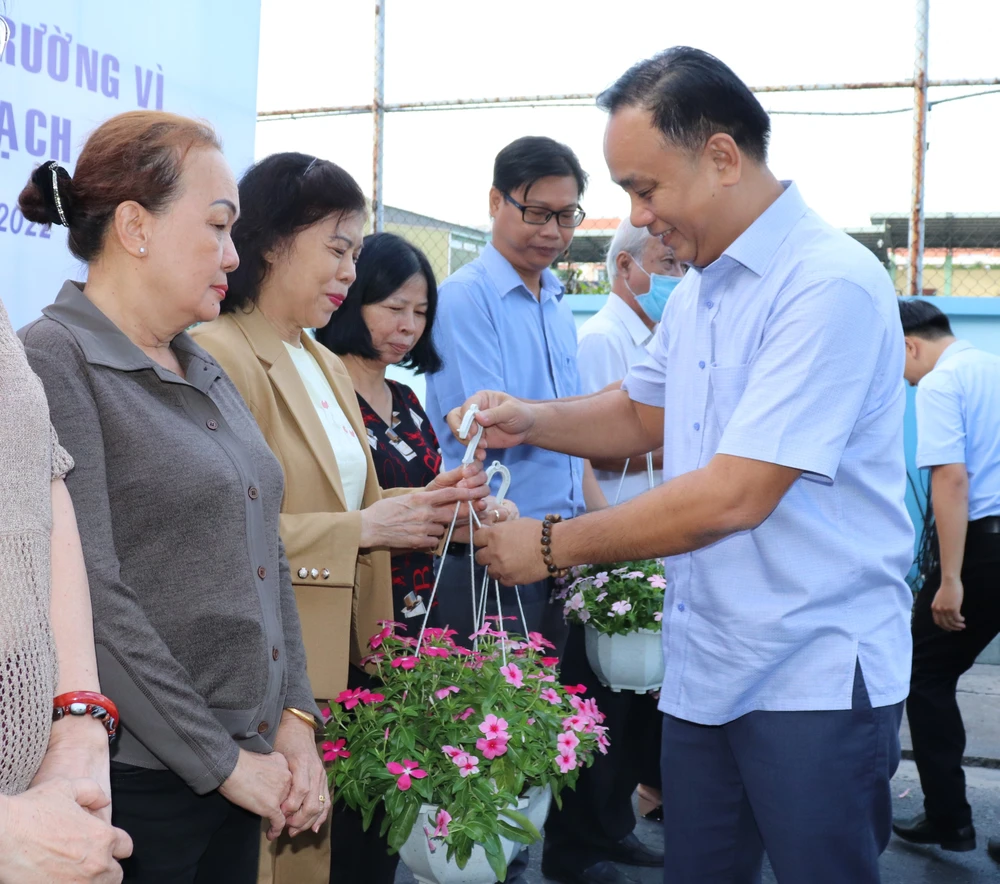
(404, 771)
(387, 733)
(441, 824)
(432, 651)
(658, 581)
(584, 615)
(512, 674)
(566, 761)
(494, 727)
(326, 713)
(404, 662)
(376, 640)
(567, 741)
(541, 677)
(350, 699)
(658, 616)
(492, 747)
(548, 661)
(537, 642)
(464, 715)
(452, 752)
(551, 696)
(333, 751)
(575, 603)
(602, 739)
(575, 722)
(601, 597)
(634, 575)
(467, 764)
(575, 688)
(441, 693)
(601, 579)
(620, 608)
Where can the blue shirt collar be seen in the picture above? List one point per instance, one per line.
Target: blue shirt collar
(953, 349)
(503, 275)
(757, 245)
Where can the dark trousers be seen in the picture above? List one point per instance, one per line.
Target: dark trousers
(180, 837)
(939, 659)
(599, 812)
(356, 855)
(453, 602)
(810, 788)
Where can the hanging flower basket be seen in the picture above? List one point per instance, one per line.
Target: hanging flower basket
(620, 609)
(429, 862)
(464, 747)
(629, 662)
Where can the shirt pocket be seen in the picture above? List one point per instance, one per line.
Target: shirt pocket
(728, 384)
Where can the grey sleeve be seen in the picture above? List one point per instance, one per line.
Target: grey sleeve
(153, 692)
(299, 693)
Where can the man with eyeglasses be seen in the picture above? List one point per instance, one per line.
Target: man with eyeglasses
(502, 324)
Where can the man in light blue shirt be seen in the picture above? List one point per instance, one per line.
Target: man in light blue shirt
(957, 612)
(502, 323)
(775, 389)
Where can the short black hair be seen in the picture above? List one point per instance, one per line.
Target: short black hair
(692, 96)
(386, 262)
(923, 320)
(279, 196)
(533, 157)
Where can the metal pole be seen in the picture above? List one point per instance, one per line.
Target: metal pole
(915, 282)
(378, 119)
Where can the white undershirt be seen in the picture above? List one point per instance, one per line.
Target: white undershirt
(347, 449)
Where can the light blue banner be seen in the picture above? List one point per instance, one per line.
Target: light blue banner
(71, 64)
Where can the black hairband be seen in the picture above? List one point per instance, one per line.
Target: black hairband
(47, 177)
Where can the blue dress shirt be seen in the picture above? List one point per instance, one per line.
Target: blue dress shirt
(958, 421)
(787, 349)
(494, 334)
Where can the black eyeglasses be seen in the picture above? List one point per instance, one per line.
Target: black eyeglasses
(539, 215)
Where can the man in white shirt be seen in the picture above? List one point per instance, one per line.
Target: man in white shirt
(616, 337)
(957, 612)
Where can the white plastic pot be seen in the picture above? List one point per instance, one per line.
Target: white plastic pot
(434, 867)
(539, 801)
(629, 662)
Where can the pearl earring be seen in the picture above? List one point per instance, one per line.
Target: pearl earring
(142, 250)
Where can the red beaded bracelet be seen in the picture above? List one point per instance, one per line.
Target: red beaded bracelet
(87, 703)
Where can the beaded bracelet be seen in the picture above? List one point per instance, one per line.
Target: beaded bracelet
(547, 524)
(87, 703)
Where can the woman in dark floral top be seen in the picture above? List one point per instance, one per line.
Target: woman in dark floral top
(386, 320)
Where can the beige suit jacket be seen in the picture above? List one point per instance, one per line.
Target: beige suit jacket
(341, 589)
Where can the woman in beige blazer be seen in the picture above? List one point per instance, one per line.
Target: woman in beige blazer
(298, 236)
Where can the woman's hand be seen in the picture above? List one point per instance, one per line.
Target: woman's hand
(260, 783)
(493, 513)
(308, 803)
(78, 749)
(413, 521)
(52, 833)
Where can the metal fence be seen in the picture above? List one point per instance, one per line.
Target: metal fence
(932, 254)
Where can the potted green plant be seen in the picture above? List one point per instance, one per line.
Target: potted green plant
(620, 609)
(455, 742)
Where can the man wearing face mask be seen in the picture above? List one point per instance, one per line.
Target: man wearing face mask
(643, 272)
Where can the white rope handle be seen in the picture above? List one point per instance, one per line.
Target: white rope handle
(650, 476)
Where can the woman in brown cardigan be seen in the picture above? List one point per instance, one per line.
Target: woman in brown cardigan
(298, 237)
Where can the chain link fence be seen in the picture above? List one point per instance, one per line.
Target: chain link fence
(956, 254)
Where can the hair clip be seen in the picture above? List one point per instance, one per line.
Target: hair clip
(54, 169)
